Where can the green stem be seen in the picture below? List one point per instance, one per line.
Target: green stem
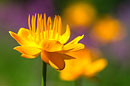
(78, 82)
(44, 74)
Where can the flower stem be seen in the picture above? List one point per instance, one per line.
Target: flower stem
(44, 74)
(78, 82)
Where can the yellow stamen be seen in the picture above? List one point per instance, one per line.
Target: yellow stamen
(29, 22)
(38, 27)
(32, 23)
(55, 28)
(49, 25)
(45, 26)
(59, 25)
(41, 26)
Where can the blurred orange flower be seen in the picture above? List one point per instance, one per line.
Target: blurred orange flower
(46, 39)
(107, 29)
(84, 64)
(79, 14)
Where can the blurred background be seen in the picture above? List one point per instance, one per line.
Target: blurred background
(105, 24)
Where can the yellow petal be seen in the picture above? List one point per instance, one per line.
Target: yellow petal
(95, 67)
(74, 45)
(28, 56)
(71, 71)
(68, 76)
(65, 37)
(52, 45)
(16, 37)
(76, 40)
(22, 37)
(55, 60)
(24, 33)
(28, 50)
(83, 53)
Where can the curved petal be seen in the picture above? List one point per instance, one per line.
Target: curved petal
(99, 64)
(80, 54)
(55, 60)
(74, 45)
(95, 67)
(24, 33)
(21, 39)
(16, 37)
(72, 70)
(52, 45)
(28, 56)
(76, 40)
(28, 50)
(44, 57)
(68, 75)
(65, 37)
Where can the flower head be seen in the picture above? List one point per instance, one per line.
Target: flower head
(45, 38)
(82, 14)
(108, 29)
(84, 64)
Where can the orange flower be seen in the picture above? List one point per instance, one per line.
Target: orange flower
(84, 64)
(82, 14)
(108, 29)
(45, 38)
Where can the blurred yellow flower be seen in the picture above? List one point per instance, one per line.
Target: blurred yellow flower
(79, 14)
(84, 64)
(45, 38)
(107, 29)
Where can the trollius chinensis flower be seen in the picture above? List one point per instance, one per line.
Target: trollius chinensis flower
(44, 37)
